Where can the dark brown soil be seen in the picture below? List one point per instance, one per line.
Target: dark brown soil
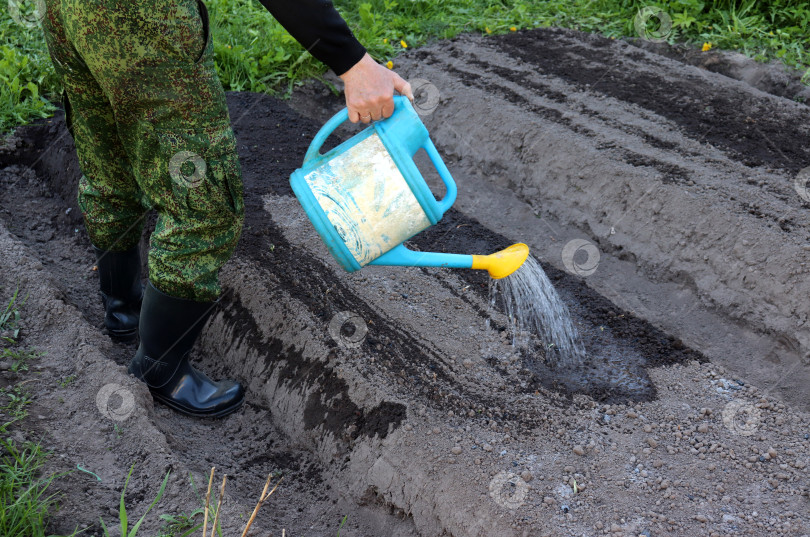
(753, 132)
(402, 400)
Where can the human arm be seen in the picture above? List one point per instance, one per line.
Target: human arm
(316, 24)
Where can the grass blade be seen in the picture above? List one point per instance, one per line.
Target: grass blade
(154, 502)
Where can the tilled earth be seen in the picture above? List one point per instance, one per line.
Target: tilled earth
(394, 395)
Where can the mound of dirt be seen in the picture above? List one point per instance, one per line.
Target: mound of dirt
(690, 185)
(394, 394)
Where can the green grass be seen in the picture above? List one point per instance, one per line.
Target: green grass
(26, 72)
(14, 400)
(181, 525)
(25, 501)
(254, 53)
(123, 515)
(10, 318)
(20, 358)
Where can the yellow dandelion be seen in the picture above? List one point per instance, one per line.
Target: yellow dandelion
(390, 64)
(385, 40)
(514, 29)
(770, 33)
(403, 43)
(706, 46)
(488, 30)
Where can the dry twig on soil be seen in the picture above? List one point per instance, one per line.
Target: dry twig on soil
(263, 497)
(207, 500)
(219, 504)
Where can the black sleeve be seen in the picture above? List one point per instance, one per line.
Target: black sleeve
(320, 29)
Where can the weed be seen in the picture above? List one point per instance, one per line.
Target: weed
(181, 525)
(20, 358)
(122, 510)
(18, 397)
(24, 499)
(66, 381)
(341, 524)
(10, 318)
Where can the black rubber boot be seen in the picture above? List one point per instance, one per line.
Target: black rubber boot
(169, 326)
(121, 290)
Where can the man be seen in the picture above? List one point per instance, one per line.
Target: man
(142, 101)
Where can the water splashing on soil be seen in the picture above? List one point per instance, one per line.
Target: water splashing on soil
(535, 311)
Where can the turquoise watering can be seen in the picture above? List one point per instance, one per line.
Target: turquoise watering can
(366, 197)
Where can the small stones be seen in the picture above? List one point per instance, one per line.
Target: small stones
(548, 500)
(467, 363)
(526, 476)
(771, 453)
(701, 518)
(652, 442)
(487, 447)
(456, 450)
(703, 428)
(579, 450)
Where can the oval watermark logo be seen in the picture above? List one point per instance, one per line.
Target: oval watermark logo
(27, 13)
(800, 184)
(508, 490)
(655, 33)
(115, 402)
(572, 254)
(187, 168)
(348, 329)
(426, 96)
(741, 417)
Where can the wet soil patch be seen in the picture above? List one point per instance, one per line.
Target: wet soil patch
(620, 344)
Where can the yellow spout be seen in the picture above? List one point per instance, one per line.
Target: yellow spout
(502, 264)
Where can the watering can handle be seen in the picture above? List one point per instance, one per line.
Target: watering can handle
(341, 117)
(337, 120)
(450, 196)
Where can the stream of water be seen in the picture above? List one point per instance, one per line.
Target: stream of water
(534, 308)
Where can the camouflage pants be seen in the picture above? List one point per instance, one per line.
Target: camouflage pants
(151, 127)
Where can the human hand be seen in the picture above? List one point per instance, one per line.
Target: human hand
(369, 89)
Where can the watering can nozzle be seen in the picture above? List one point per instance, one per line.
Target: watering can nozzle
(502, 264)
